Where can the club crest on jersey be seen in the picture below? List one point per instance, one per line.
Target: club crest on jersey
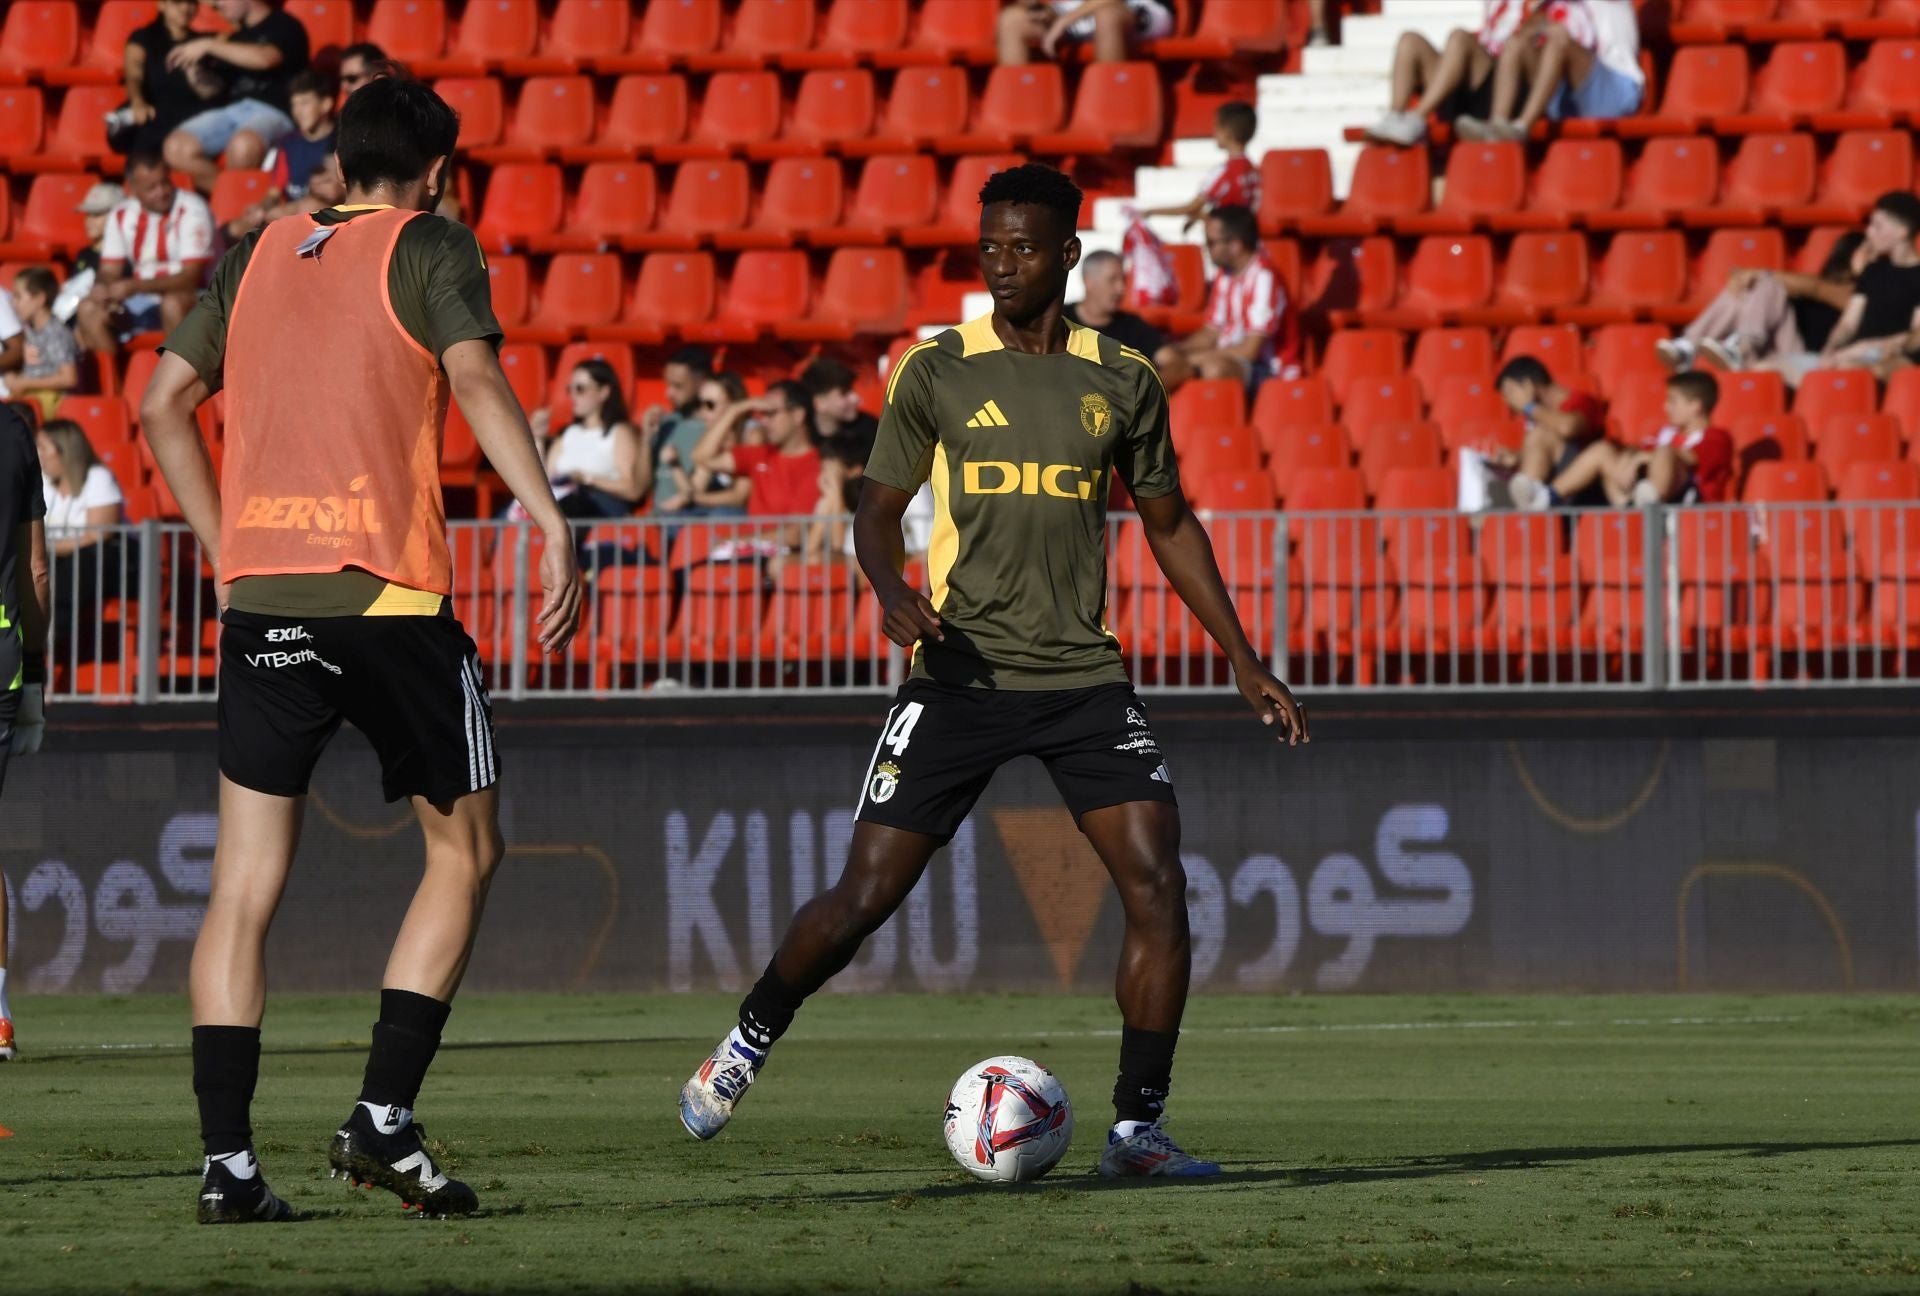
(1096, 416)
(886, 777)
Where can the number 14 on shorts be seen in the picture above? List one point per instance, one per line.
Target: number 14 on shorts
(885, 775)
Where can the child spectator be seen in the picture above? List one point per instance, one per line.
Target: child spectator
(299, 157)
(50, 360)
(93, 209)
(1251, 333)
(1111, 25)
(1560, 424)
(837, 416)
(1688, 461)
(1575, 58)
(1236, 181)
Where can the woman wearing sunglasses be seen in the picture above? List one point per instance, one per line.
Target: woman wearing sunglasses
(595, 464)
(685, 489)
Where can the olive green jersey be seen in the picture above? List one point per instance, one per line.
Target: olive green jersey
(1020, 450)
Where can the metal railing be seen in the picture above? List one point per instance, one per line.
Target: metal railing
(1664, 598)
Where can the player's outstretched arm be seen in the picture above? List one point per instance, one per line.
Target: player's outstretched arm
(1181, 547)
(174, 392)
(500, 428)
(909, 616)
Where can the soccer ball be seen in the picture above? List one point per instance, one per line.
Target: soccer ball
(1008, 1120)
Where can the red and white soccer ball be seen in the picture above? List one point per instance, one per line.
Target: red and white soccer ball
(1008, 1120)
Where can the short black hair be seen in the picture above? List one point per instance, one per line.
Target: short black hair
(309, 81)
(1525, 369)
(365, 50)
(1697, 386)
(1038, 185)
(1237, 223)
(1238, 119)
(1902, 206)
(392, 131)
(795, 394)
(39, 281)
(825, 374)
(697, 358)
(147, 157)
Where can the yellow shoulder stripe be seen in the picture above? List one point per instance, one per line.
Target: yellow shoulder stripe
(1131, 354)
(900, 366)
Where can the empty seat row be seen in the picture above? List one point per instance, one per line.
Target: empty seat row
(1697, 21)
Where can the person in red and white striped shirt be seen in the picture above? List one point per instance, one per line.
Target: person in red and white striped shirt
(153, 255)
(1251, 331)
(1236, 181)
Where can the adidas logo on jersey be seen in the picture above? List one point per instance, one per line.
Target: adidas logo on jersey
(988, 415)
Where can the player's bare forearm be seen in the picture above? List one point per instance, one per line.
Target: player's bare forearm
(878, 545)
(1185, 553)
(166, 413)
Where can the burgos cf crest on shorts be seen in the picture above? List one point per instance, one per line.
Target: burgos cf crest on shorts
(886, 777)
(1096, 416)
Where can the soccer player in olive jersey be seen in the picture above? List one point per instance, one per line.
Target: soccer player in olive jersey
(338, 338)
(1020, 420)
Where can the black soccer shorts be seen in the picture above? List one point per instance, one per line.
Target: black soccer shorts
(412, 684)
(941, 744)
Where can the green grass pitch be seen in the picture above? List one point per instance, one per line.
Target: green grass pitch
(1372, 1144)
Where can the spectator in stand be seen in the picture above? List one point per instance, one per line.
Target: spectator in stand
(154, 252)
(1113, 26)
(1103, 286)
(841, 473)
(50, 362)
(1455, 83)
(362, 63)
(697, 491)
(596, 464)
(1574, 58)
(82, 500)
(1319, 31)
(1879, 329)
(298, 156)
(1251, 333)
(94, 210)
(160, 96)
(672, 430)
(258, 59)
(1764, 313)
(1687, 461)
(1560, 424)
(837, 416)
(784, 473)
(13, 341)
(1236, 181)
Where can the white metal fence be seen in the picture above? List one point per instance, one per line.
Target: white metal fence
(1708, 597)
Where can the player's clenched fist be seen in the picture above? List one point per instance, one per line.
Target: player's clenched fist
(910, 617)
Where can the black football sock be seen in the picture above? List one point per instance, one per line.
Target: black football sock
(226, 1066)
(768, 1010)
(1146, 1074)
(404, 1042)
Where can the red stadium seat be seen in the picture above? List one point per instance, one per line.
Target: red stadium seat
(1704, 82)
(954, 30)
(581, 290)
(896, 192)
(493, 32)
(1447, 275)
(38, 36)
(673, 290)
(925, 105)
(801, 197)
(1391, 446)
(1641, 269)
(512, 293)
(1886, 83)
(1847, 439)
(79, 135)
(1298, 183)
(1758, 438)
(1726, 250)
(1388, 185)
(235, 191)
(1461, 398)
(1672, 177)
(1482, 180)
(864, 292)
(1615, 350)
(1902, 400)
(1117, 106)
(1799, 80)
(707, 198)
(958, 219)
(582, 31)
(1576, 179)
(523, 200)
(1295, 448)
(832, 108)
(1228, 31)
(1714, 553)
(1556, 346)
(1439, 354)
(1638, 407)
(739, 109)
(1323, 490)
(105, 51)
(1767, 172)
(1876, 528)
(482, 108)
(1752, 392)
(1356, 354)
(613, 202)
(329, 23)
(1352, 275)
(766, 30)
(647, 112)
(49, 223)
(1418, 488)
(412, 31)
(861, 29)
(1233, 491)
(553, 113)
(1859, 167)
(1377, 401)
(1826, 392)
(678, 31)
(1785, 481)
(1698, 20)
(1218, 449)
(1283, 403)
(1019, 102)
(1209, 403)
(105, 419)
(1544, 272)
(23, 122)
(766, 289)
